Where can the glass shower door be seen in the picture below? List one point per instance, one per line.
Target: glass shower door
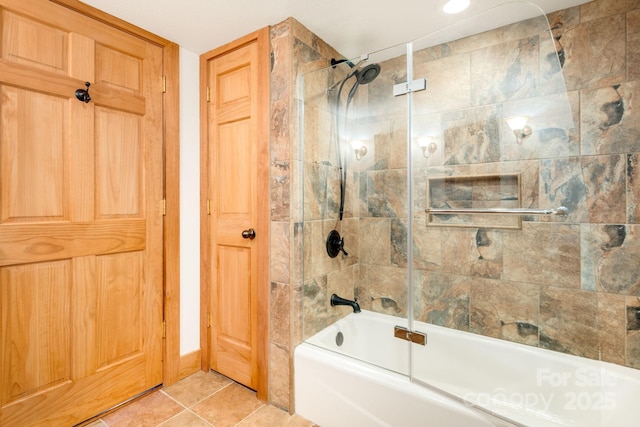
(355, 169)
(498, 199)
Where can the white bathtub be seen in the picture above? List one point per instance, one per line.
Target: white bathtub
(521, 385)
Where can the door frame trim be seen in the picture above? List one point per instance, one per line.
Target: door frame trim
(261, 37)
(171, 155)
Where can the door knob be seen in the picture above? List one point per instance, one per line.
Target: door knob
(249, 234)
(83, 94)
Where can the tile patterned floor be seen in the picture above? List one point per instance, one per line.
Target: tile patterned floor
(204, 399)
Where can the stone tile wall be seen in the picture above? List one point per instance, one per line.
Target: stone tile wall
(295, 51)
(567, 284)
(570, 284)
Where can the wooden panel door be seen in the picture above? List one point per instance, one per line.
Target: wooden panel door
(237, 187)
(80, 216)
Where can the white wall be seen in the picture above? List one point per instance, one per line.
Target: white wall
(189, 202)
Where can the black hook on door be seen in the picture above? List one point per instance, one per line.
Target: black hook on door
(83, 95)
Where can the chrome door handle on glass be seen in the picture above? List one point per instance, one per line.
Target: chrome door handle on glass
(249, 234)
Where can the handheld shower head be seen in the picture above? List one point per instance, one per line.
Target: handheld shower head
(364, 76)
(367, 74)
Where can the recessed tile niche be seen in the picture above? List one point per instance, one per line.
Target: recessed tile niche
(475, 192)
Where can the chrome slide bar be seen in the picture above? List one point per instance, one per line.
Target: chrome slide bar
(498, 211)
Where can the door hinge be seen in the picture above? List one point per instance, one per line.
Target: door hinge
(406, 87)
(208, 207)
(164, 207)
(412, 336)
(208, 94)
(164, 84)
(164, 329)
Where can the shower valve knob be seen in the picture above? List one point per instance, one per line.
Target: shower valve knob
(335, 244)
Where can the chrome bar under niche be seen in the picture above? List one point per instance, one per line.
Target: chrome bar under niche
(498, 211)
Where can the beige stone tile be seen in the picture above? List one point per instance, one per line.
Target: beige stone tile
(186, 419)
(229, 406)
(551, 63)
(477, 42)
(559, 22)
(609, 250)
(296, 314)
(505, 71)
(352, 197)
(633, 45)
(382, 104)
(569, 321)
(398, 145)
(427, 245)
(148, 411)
(562, 184)
(505, 310)
(343, 283)
(471, 135)
(307, 255)
(398, 242)
(317, 122)
(297, 258)
(319, 262)
(536, 26)
(473, 252)
(632, 356)
(279, 376)
(633, 349)
(314, 308)
(595, 53)
(554, 128)
(281, 29)
(280, 190)
(383, 289)
(601, 8)
(375, 241)
(609, 123)
(270, 416)
(611, 326)
(315, 191)
(279, 313)
(442, 299)
(304, 34)
(633, 188)
(196, 387)
(386, 193)
(307, 57)
(563, 19)
(605, 186)
(349, 230)
(442, 95)
(552, 255)
(280, 252)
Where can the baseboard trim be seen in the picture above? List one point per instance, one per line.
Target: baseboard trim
(189, 363)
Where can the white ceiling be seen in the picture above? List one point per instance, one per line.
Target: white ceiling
(352, 27)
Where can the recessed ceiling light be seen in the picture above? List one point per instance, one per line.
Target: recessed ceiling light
(455, 6)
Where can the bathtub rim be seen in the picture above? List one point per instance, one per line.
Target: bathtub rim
(622, 372)
(440, 398)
